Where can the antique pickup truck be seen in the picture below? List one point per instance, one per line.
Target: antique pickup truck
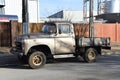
(57, 38)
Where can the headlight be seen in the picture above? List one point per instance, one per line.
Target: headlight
(23, 46)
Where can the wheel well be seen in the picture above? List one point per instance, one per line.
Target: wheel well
(43, 48)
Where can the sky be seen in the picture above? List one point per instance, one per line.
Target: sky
(49, 7)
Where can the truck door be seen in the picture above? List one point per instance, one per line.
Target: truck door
(64, 41)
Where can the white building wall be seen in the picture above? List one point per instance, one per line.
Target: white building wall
(14, 7)
(74, 16)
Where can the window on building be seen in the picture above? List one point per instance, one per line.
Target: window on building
(2, 11)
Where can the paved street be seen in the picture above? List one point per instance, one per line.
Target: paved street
(106, 68)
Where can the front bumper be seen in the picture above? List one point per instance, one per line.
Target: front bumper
(16, 52)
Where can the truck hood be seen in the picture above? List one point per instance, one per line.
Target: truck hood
(31, 36)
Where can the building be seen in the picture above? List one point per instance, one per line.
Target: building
(2, 4)
(14, 7)
(110, 11)
(74, 16)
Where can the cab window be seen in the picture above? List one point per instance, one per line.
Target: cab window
(49, 28)
(64, 28)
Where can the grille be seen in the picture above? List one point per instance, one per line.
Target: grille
(18, 45)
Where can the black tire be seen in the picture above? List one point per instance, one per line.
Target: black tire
(23, 59)
(90, 55)
(36, 60)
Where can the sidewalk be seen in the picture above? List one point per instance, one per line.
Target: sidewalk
(115, 49)
(4, 50)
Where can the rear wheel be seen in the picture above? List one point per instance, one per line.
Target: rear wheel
(36, 60)
(90, 55)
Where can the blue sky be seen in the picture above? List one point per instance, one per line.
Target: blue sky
(48, 7)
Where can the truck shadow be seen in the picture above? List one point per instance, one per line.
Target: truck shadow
(109, 60)
(106, 60)
(17, 65)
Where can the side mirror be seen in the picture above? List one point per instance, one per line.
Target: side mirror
(52, 31)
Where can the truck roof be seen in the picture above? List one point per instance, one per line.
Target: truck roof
(58, 22)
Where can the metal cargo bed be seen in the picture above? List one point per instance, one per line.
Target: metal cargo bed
(88, 41)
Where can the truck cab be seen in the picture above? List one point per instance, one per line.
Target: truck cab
(63, 36)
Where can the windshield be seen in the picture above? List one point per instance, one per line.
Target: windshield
(49, 28)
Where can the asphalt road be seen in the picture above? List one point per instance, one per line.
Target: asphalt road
(106, 68)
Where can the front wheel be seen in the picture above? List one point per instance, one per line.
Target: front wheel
(37, 59)
(90, 55)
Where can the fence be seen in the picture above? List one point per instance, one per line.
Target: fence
(111, 30)
(8, 31)
(5, 34)
(34, 28)
(108, 30)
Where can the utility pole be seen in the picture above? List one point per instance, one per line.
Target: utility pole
(91, 19)
(85, 10)
(25, 17)
(99, 7)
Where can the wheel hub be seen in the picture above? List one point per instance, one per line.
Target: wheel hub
(91, 55)
(37, 60)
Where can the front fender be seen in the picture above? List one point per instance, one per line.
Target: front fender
(39, 47)
(38, 42)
